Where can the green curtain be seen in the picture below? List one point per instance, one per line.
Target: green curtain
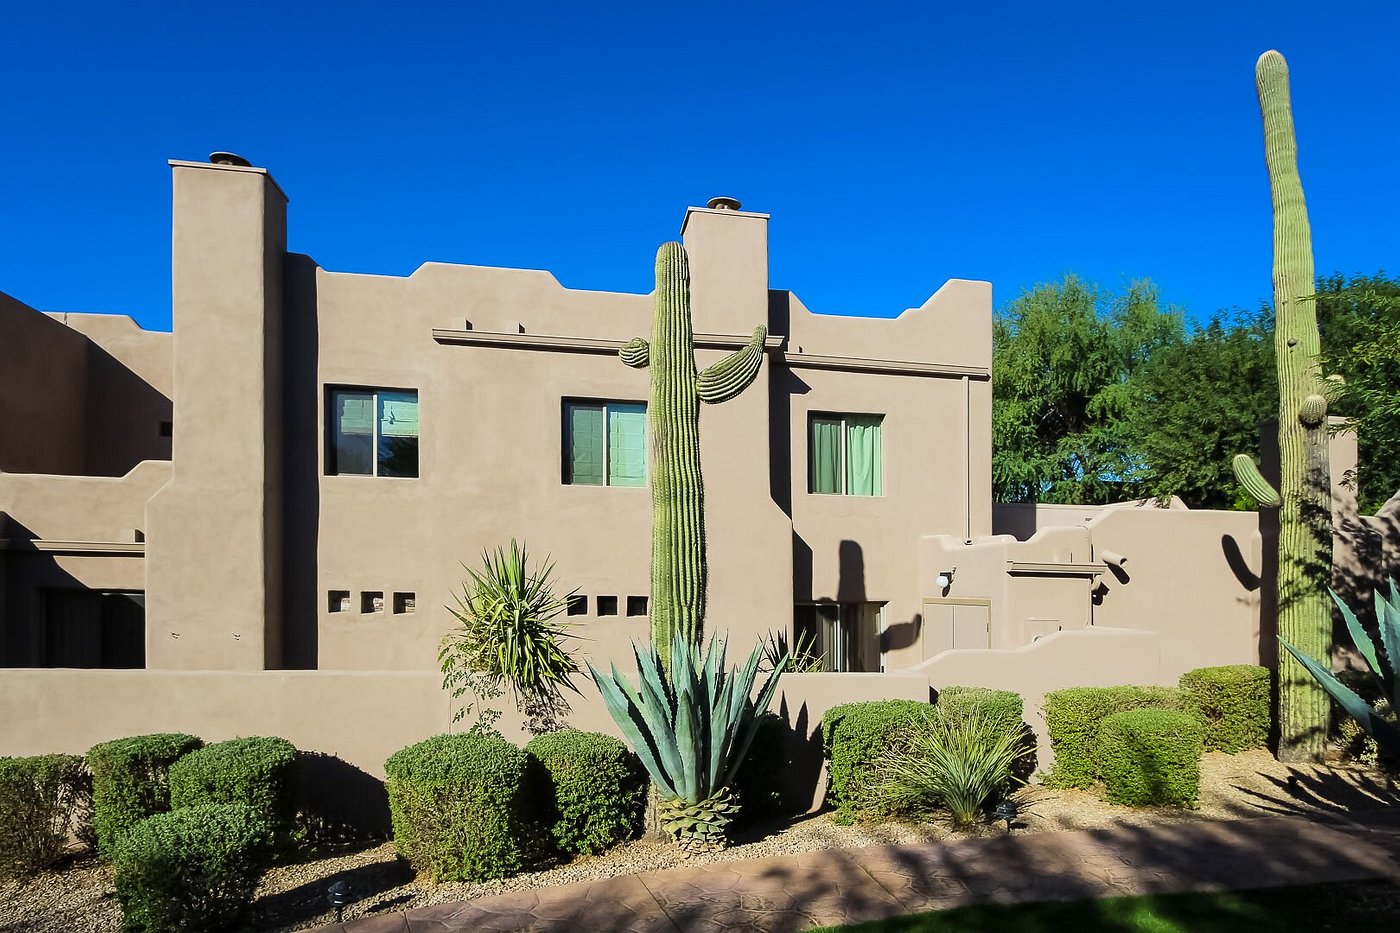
(398, 414)
(354, 412)
(584, 457)
(864, 466)
(627, 444)
(824, 455)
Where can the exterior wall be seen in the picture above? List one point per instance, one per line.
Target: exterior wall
(129, 388)
(43, 389)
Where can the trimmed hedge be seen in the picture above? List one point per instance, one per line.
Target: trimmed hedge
(597, 792)
(260, 772)
(1151, 757)
(460, 806)
(1073, 716)
(760, 779)
(130, 781)
(854, 736)
(1003, 707)
(192, 869)
(1233, 703)
(43, 800)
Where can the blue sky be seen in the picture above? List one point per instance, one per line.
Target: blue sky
(895, 144)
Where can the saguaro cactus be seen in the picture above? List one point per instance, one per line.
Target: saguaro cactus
(678, 573)
(1304, 494)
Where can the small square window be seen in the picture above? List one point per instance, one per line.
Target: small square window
(338, 601)
(405, 602)
(607, 605)
(578, 605)
(372, 601)
(636, 606)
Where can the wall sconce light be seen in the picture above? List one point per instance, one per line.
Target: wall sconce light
(945, 578)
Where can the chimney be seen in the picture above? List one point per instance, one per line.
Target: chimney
(728, 249)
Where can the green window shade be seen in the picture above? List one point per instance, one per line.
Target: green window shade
(354, 412)
(864, 466)
(398, 414)
(584, 457)
(352, 433)
(627, 445)
(824, 455)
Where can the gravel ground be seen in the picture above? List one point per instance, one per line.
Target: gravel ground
(79, 896)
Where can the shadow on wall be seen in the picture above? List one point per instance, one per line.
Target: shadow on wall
(125, 419)
(341, 803)
(783, 384)
(802, 779)
(850, 585)
(301, 476)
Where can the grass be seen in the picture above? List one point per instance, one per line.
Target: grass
(1360, 907)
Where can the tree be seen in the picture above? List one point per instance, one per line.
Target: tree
(1063, 358)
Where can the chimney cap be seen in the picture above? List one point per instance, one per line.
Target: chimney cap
(229, 158)
(724, 204)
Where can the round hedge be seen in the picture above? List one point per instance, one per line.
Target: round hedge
(1073, 717)
(1151, 757)
(1233, 703)
(596, 793)
(43, 799)
(258, 771)
(131, 780)
(854, 736)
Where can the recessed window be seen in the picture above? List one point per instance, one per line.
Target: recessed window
(846, 636)
(338, 601)
(373, 432)
(636, 606)
(371, 602)
(605, 443)
(405, 603)
(845, 455)
(578, 605)
(607, 605)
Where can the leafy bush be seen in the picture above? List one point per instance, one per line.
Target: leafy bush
(1150, 757)
(1233, 703)
(955, 761)
(130, 781)
(193, 869)
(1073, 716)
(854, 736)
(1352, 741)
(460, 806)
(760, 779)
(260, 772)
(1005, 707)
(597, 792)
(43, 800)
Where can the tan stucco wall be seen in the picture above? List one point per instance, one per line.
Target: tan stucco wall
(43, 392)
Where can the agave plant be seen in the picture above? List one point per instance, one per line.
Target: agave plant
(805, 657)
(1383, 670)
(691, 722)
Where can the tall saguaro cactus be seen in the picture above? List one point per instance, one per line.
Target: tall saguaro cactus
(678, 573)
(1304, 494)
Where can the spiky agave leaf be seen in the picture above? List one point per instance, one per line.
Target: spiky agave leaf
(1386, 733)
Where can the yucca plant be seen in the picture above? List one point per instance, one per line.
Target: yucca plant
(953, 763)
(691, 722)
(1383, 670)
(508, 637)
(805, 658)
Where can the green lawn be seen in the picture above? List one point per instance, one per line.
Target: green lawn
(1369, 907)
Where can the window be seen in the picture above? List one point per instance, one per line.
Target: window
(607, 605)
(846, 635)
(845, 456)
(605, 443)
(93, 628)
(374, 432)
(636, 606)
(578, 605)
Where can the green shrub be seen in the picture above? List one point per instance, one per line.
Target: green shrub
(460, 806)
(596, 792)
(1005, 708)
(192, 869)
(854, 736)
(130, 781)
(43, 800)
(1151, 757)
(761, 776)
(1232, 702)
(1072, 718)
(260, 772)
(1352, 741)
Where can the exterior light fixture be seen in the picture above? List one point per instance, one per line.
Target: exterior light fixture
(1005, 811)
(339, 896)
(945, 578)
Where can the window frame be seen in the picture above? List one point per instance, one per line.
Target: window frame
(329, 448)
(566, 442)
(843, 471)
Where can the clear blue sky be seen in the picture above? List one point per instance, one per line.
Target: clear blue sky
(895, 144)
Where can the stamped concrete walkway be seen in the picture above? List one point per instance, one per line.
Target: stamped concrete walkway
(840, 886)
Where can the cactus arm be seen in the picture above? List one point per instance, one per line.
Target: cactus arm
(636, 353)
(1254, 482)
(733, 374)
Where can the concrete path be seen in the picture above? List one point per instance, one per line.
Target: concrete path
(841, 886)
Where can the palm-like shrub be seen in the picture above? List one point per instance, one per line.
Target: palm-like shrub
(691, 723)
(958, 763)
(508, 637)
(1383, 673)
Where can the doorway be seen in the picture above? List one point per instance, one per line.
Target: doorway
(847, 636)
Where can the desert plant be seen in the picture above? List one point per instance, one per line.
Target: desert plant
(1073, 716)
(460, 806)
(43, 800)
(854, 737)
(597, 792)
(1303, 496)
(1005, 707)
(956, 763)
(806, 659)
(1150, 757)
(1383, 671)
(508, 636)
(678, 567)
(191, 870)
(130, 781)
(1232, 702)
(259, 772)
(690, 722)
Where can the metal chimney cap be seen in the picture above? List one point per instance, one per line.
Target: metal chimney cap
(229, 158)
(724, 204)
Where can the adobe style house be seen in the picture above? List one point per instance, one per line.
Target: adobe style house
(252, 525)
